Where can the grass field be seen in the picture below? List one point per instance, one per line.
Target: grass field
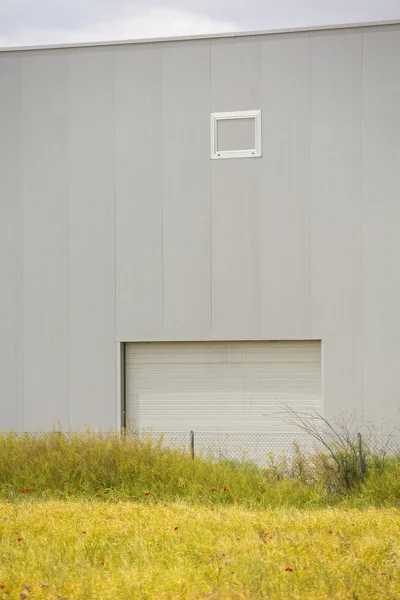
(120, 549)
(102, 518)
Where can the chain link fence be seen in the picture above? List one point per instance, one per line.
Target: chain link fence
(381, 445)
(258, 447)
(242, 446)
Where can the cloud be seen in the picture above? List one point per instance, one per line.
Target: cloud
(154, 23)
(24, 22)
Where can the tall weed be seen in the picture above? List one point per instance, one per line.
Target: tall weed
(110, 465)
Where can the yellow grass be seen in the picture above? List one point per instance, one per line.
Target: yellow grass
(221, 553)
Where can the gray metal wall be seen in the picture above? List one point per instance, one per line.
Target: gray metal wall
(115, 225)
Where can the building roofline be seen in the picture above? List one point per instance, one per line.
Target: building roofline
(207, 36)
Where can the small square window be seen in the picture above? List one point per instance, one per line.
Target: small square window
(236, 134)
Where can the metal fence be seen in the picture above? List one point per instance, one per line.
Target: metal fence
(261, 447)
(380, 444)
(237, 445)
(258, 447)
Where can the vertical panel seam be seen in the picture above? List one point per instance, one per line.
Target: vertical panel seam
(210, 199)
(22, 246)
(162, 186)
(117, 401)
(67, 124)
(361, 218)
(70, 412)
(259, 171)
(309, 188)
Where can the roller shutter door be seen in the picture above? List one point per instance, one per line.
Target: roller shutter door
(220, 386)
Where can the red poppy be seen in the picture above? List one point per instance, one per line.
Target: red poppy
(102, 562)
(330, 531)
(213, 489)
(25, 491)
(65, 481)
(2, 587)
(212, 508)
(98, 493)
(288, 569)
(19, 540)
(225, 489)
(237, 539)
(237, 499)
(175, 529)
(146, 493)
(352, 524)
(45, 484)
(128, 499)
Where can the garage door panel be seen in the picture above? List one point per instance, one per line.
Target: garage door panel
(168, 424)
(221, 386)
(295, 382)
(208, 369)
(222, 352)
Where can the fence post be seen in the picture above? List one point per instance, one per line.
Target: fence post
(192, 444)
(360, 456)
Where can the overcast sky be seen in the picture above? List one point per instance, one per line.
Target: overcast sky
(26, 22)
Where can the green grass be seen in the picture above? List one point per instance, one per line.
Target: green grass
(86, 466)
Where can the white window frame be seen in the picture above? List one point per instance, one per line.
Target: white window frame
(243, 152)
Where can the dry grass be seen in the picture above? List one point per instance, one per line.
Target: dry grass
(121, 549)
(89, 517)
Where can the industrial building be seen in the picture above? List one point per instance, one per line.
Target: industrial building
(195, 232)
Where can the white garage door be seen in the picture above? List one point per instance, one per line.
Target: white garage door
(220, 386)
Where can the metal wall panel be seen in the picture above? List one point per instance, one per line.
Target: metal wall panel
(235, 199)
(335, 209)
(335, 186)
(380, 223)
(186, 191)
(342, 375)
(284, 208)
(138, 192)
(45, 243)
(10, 244)
(92, 237)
